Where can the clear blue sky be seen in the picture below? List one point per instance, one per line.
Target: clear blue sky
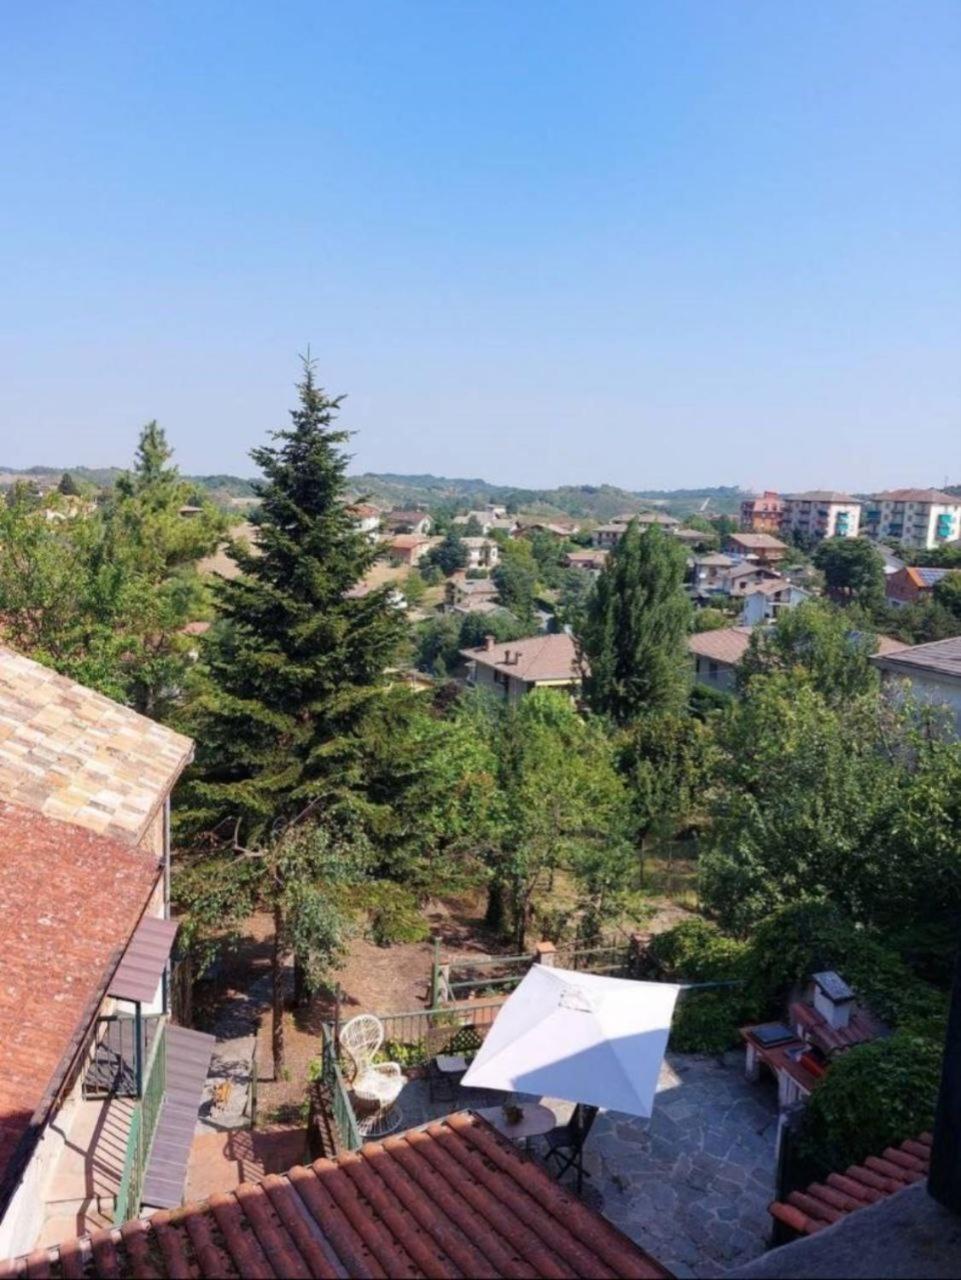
(657, 244)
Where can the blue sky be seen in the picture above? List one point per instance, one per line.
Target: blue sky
(656, 244)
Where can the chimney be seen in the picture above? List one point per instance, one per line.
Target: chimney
(507, 657)
(488, 643)
(833, 999)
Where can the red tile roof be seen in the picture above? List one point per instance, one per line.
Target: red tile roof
(918, 495)
(757, 541)
(453, 1199)
(547, 657)
(862, 1028)
(69, 901)
(822, 1204)
(724, 644)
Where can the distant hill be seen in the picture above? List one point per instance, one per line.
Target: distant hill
(596, 502)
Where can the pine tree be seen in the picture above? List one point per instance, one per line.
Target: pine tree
(68, 486)
(636, 621)
(292, 669)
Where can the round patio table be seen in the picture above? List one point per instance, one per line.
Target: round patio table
(536, 1119)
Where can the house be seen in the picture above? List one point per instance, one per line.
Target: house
(709, 570)
(716, 655)
(914, 517)
(85, 920)
(459, 589)
(691, 537)
(761, 513)
(743, 577)
(592, 561)
(911, 583)
(609, 535)
(482, 553)
(821, 513)
(408, 548)
(418, 522)
(488, 520)
(561, 529)
(931, 672)
(515, 668)
(450, 1199)
(761, 547)
(365, 518)
(765, 600)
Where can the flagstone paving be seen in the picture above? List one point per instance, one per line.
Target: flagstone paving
(691, 1185)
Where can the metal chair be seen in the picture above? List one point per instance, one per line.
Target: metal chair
(565, 1144)
(376, 1085)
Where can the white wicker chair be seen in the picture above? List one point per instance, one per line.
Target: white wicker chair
(376, 1085)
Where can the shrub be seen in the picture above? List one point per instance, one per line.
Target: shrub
(394, 915)
(707, 1021)
(875, 1095)
(697, 951)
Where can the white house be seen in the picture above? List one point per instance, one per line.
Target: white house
(929, 672)
(766, 600)
(482, 553)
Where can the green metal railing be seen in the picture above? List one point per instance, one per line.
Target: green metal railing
(345, 1121)
(143, 1124)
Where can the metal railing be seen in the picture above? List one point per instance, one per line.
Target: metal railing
(143, 1124)
(338, 1096)
(414, 1038)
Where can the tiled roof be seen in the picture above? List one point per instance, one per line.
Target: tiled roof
(824, 1203)
(940, 657)
(918, 495)
(726, 644)
(862, 1028)
(758, 541)
(72, 754)
(69, 902)
(549, 657)
(888, 644)
(823, 495)
(454, 1199)
(407, 541)
(922, 576)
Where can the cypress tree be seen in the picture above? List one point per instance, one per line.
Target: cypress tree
(636, 621)
(292, 668)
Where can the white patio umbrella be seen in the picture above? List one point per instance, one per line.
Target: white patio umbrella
(581, 1037)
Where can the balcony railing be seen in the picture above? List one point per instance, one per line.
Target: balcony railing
(143, 1124)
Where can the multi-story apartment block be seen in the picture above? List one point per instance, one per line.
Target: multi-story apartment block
(762, 513)
(822, 513)
(914, 517)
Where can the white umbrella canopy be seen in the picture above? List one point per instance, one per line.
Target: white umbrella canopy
(580, 1037)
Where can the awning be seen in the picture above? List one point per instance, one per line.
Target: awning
(142, 964)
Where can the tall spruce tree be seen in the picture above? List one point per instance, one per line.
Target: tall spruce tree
(291, 672)
(634, 628)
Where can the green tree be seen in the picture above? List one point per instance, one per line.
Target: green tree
(635, 627)
(68, 486)
(947, 593)
(563, 805)
(451, 554)
(853, 570)
(293, 672)
(816, 643)
(516, 578)
(667, 760)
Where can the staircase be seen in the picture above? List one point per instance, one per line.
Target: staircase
(188, 1058)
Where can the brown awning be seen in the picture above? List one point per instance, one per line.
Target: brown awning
(142, 964)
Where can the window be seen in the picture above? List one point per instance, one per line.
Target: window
(712, 670)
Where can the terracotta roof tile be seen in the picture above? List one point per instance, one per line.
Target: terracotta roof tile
(547, 657)
(57, 950)
(725, 644)
(71, 753)
(453, 1199)
(821, 1204)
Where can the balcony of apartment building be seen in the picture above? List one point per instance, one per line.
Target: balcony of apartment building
(128, 1107)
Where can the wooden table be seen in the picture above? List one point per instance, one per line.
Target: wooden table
(536, 1119)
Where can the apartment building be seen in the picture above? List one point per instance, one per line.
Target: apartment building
(914, 517)
(821, 513)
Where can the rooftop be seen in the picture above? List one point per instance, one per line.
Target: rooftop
(449, 1200)
(69, 902)
(918, 495)
(939, 657)
(922, 576)
(407, 541)
(548, 657)
(822, 1204)
(726, 644)
(823, 495)
(70, 753)
(758, 541)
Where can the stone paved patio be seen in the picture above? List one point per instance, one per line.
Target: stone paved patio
(691, 1185)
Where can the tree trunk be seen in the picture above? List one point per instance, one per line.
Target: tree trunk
(494, 915)
(277, 963)
(300, 983)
